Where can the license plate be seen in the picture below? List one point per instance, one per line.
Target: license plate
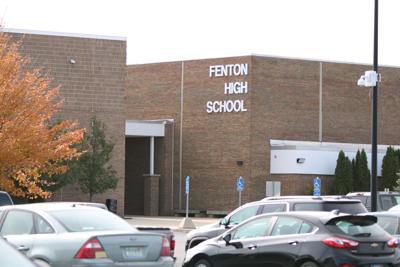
(133, 252)
(378, 265)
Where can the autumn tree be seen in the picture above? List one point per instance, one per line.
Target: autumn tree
(30, 143)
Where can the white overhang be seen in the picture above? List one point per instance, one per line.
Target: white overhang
(145, 128)
(303, 157)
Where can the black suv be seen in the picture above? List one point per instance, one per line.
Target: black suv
(274, 204)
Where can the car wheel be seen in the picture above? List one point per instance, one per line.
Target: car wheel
(309, 264)
(202, 263)
(41, 263)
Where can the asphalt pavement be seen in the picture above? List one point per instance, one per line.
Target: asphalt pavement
(174, 224)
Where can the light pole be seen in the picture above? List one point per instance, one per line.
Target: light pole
(370, 79)
(374, 182)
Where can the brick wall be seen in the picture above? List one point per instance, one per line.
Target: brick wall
(283, 103)
(94, 85)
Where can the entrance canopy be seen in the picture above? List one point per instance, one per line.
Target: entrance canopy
(154, 128)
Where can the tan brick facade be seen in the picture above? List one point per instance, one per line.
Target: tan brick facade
(94, 85)
(283, 102)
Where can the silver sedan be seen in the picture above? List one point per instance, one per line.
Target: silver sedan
(72, 235)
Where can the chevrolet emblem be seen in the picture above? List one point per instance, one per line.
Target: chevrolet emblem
(374, 245)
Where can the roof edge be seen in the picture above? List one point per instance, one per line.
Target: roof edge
(64, 34)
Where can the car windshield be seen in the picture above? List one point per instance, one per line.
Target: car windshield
(356, 226)
(344, 207)
(77, 220)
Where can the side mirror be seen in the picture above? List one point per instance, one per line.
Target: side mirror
(228, 242)
(227, 239)
(223, 222)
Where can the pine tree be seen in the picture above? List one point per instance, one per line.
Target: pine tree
(92, 170)
(390, 166)
(362, 174)
(343, 180)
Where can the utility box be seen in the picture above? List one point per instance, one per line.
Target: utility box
(272, 188)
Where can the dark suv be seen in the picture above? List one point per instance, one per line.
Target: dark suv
(274, 204)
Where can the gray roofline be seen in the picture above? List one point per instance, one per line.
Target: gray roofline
(64, 34)
(323, 61)
(264, 56)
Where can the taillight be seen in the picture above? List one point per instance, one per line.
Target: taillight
(338, 242)
(92, 249)
(165, 247)
(392, 243)
(172, 243)
(346, 265)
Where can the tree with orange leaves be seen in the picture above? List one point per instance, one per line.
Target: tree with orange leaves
(31, 144)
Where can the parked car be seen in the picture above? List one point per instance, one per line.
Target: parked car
(67, 234)
(5, 199)
(389, 221)
(299, 239)
(385, 199)
(10, 257)
(273, 204)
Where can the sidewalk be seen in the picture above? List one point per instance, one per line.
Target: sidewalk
(167, 221)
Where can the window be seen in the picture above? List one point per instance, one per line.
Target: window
(355, 226)
(253, 229)
(389, 224)
(4, 199)
(386, 202)
(342, 206)
(17, 222)
(84, 220)
(243, 214)
(42, 227)
(396, 200)
(273, 208)
(290, 226)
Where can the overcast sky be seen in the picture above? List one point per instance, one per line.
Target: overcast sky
(173, 30)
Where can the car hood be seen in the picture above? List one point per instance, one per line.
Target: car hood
(204, 230)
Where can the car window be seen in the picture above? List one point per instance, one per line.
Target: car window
(243, 214)
(267, 208)
(389, 224)
(17, 222)
(396, 200)
(253, 229)
(356, 226)
(362, 198)
(42, 227)
(290, 226)
(344, 207)
(84, 220)
(4, 199)
(386, 202)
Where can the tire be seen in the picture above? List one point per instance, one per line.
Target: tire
(41, 263)
(202, 263)
(309, 264)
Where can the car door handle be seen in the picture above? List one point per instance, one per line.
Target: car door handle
(294, 243)
(252, 247)
(23, 248)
